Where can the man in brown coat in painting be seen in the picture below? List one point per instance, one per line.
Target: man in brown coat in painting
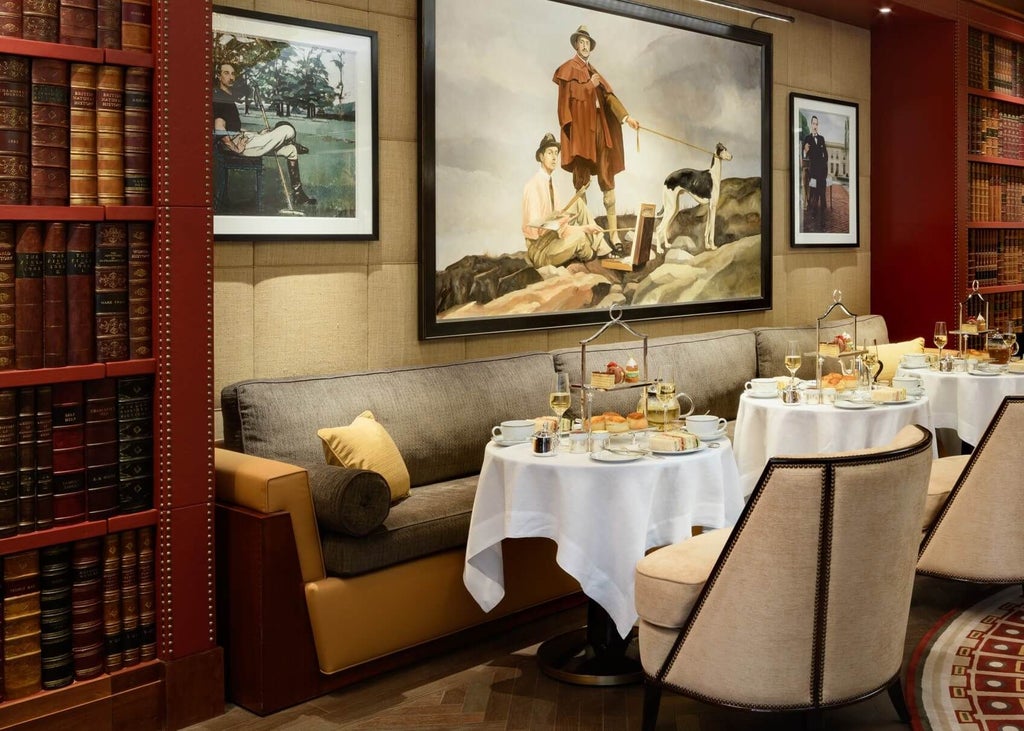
(590, 117)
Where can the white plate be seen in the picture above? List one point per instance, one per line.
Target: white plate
(606, 456)
(854, 405)
(976, 372)
(907, 400)
(501, 442)
(762, 395)
(699, 448)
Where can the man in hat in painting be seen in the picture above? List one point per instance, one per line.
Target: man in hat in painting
(591, 117)
(556, 235)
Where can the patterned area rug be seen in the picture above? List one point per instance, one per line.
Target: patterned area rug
(967, 673)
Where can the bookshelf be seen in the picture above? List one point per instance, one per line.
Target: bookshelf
(184, 683)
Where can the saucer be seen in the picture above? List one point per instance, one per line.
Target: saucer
(711, 437)
(762, 395)
(699, 448)
(913, 367)
(501, 442)
(977, 372)
(854, 405)
(606, 456)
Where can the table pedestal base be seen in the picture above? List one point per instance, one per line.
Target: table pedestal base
(593, 655)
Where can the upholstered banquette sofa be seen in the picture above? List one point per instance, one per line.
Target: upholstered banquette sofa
(325, 575)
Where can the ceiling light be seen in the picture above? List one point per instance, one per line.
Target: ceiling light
(752, 11)
(885, 11)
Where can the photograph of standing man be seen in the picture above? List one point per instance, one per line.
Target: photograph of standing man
(590, 117)
(816, 156)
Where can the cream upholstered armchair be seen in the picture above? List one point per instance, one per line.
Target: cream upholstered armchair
(803, 604)
(976, 507)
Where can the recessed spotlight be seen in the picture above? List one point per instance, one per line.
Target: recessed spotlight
(885, 11)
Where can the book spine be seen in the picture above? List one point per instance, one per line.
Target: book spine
(10, 19)
(111, 277)
(14, 129)
(80, 277)
(112, 657)
(77, 24)
(147, 593)
(22, 666)
(82, 190)
(87, 608)
(110, 135)
(8, 462)
(55, 615)
(55, 295)
(69, 496)
(108, 23)
(28, 296)
(25, 427)
(138, 118)
(39, 20)
(7, 232)
(140, 290)
(130, 642)
(101, 447)
(44, 457)
(136, 25)
(49, 160)
(135, 443)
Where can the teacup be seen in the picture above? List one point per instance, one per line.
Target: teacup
(911, 383)
(811, 396)
(705, 425)
(514, 430)
(915, 360)
(762, 386)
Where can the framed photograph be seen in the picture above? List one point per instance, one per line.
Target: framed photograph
(294, 132)
(591, 153)
(823, 173)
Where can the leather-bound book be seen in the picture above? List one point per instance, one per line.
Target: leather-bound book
(138, 133)
(140, 290)
(108, 23)
(8, 462)
(135, 442)
(101, 447)
(87, 607)
(80, 278)
(10, 18)
(39, 20)
(55, 295)
(136, 25)
(147, 593)
(82, 190)
(22, 665)
(77, 26)
(7, 232)
(130, 640)
(28, 296)
(69, 496)
(25, 428)
(14, 129)
(111, 276)
(55, 615)
(112, 657)
(110, 135)
(48, 171)
(44, 456)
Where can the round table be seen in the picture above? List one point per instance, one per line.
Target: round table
(604, 517)
(767, 427)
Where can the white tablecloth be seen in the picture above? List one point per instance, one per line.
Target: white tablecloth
(602, 516)
(966, 402)
(768, 427)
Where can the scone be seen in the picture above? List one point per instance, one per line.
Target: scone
(636, 420)
(616, 423)
(596, 423)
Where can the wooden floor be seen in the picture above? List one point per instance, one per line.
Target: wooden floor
(496, 685)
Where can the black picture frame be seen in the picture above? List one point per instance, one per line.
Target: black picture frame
(486, 100)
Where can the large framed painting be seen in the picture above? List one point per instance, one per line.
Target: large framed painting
(294, 132)
(824, 205)
(579, 154)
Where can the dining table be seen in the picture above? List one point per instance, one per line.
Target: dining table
(604, 510)
(767, 427)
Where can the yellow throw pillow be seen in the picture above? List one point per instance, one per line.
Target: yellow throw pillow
(364, 444)
(890, 354)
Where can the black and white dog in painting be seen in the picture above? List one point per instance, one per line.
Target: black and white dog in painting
(704, 186)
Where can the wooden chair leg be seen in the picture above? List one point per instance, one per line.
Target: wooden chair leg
(652, 701)
(899, 701)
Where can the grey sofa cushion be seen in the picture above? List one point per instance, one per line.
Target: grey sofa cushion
(432, 519)
(352, 502)
(440, 416)
(710, 367)
(773, 341)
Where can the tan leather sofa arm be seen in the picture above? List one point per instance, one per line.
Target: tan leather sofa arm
(269, 486)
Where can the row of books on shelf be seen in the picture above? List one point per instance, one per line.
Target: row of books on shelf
(995, 256)
(994, 63)
(120, 24)
(75, 451)
(73, 611)
(994, 128)
(996, 193)
(73, 293)
(74, 133)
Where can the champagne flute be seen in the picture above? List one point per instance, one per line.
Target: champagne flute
(560, 398)
(793, 360)
(940, 339)
(870, 358)
(666, 393)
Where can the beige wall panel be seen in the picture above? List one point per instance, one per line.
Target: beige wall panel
(850, 54)
(233, 254)
(396, 76)
(309, 320)
(398, 202)
(780, 212)
(336, 13)
(242, 4)
(401, 8)
(323, 252)
(232, 327)
(485, 346)
(810, 55)
(865, 213)
(865, 137)
(780, 127)
(351, 4)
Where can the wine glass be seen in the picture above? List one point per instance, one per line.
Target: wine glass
(666, 395)
(560, 398)
(940, 339)
(793, 360)
(870, 358)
